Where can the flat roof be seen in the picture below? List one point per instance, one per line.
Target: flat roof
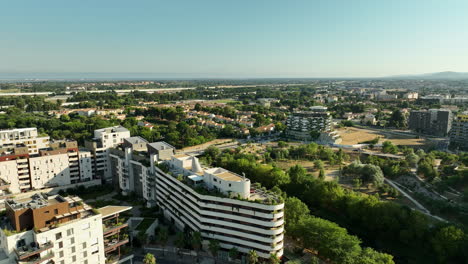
(224, 174)
(160, 145)
(36, 201)
(181, 156)
(136, 140)
(229, 176)
(112, 210)
(113, 129)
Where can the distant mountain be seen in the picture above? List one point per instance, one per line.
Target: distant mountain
(446, 75)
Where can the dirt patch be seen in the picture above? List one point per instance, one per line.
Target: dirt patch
(354, 135)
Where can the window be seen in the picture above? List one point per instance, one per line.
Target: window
(85, 254)
(56, 211)
(62, 262)
(60, 254)
(229, 185)
(74, 259)
(70, 232)
(84, 245)
(60, 244)
(58, 236)
(72, 240)
(72, 249)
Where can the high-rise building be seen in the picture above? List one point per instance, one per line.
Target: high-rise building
(459, 132)
(103, 140)
(56, 229)
(436, 122)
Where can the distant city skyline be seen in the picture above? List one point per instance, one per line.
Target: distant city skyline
(238, 39)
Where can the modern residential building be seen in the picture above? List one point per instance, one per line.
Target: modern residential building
(23, 136)
(311, 125)
(103, 140)
(459, 132)
(220, 204)
(436, 122)
(411, 96)
(60, 164)
(56, 229)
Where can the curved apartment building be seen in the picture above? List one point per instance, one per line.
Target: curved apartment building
(250, 220)
(220, 204)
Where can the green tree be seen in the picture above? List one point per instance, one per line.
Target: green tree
(412, 159)
(196, 241)
(357, 183)
(253, 257)
(330, 240)
(388, 147)
(295, 210)
(282, 144)
(397, 119)
(274, 259)
(180, 240)
(214, 248)
(149, 259)
(447, 242)
(318, 165)
(233, 253)
(321, 174)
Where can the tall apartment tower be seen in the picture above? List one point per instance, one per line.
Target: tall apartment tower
(105, 139)
(56, 229)
(459, 132)
(436, 122)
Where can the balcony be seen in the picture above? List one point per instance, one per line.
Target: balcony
(110, 245)
(109, 229)
(25, 252)
(38, 259)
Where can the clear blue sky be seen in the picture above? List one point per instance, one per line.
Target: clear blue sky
(238, 38)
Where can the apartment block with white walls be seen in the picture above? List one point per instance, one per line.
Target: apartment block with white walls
(27, 136)
(56, 229)
(105, 139)
(221, 204)
(57, 165)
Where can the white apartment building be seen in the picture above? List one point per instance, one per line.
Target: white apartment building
(59, 165)
(60, 230)
(222, 205)
(103, 140)
(49, 171)
(26, 136)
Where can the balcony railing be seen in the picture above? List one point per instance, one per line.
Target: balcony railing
(113, 228)
(37, 260)
(111, 245)
(28, 251)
